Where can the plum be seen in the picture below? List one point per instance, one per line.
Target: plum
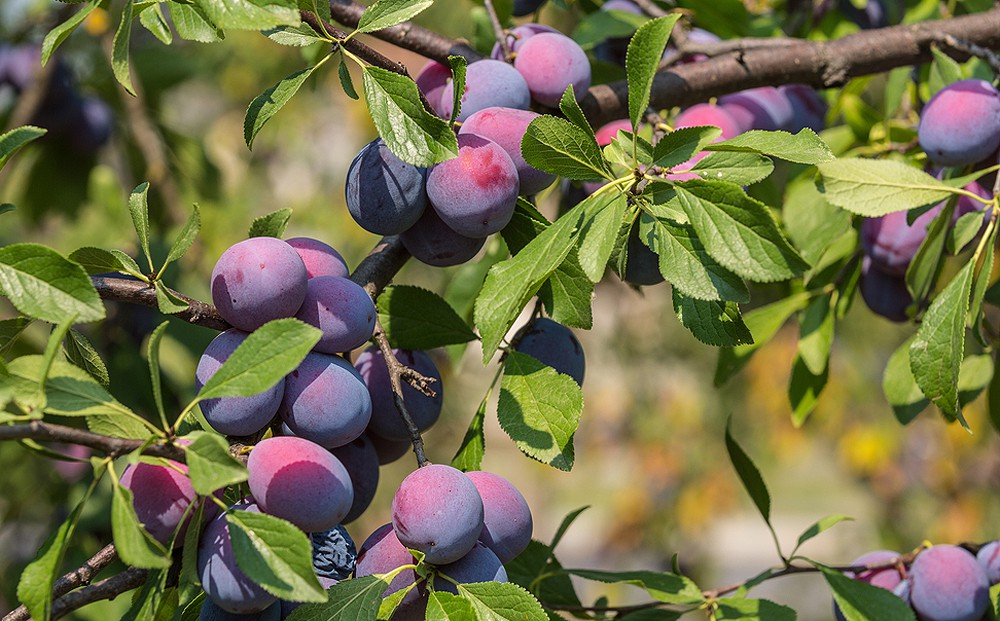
(506, 127)
(341, 309)
(225, 583)
(506, 517)
(433, 242)
(554, 345)
(319, 258)
(385, 195)
(385, 420)
(488, 83)
(326, 401)
(948, 584)
(960, 125)
(550, 62)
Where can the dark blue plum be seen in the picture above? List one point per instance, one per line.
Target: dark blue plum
(361, 460)
(506, 127)
(809, 109)
(480, 564)
(885, 294)
(948, 584)
(549, 63)
(258, 280)
(326, 401)
(524, 7)
(554, 345)
(476, 192)
(388, 451)
(433, 242)
(488, 83)
(960, 125)
(92, 122)
(212, 612)
(507, 520)
(385, 195)
(642, 265)
(341, 309)
(438, 511)
(225, 583)
(319, 258)
(299, 481)
(385, 420)
(234, 416)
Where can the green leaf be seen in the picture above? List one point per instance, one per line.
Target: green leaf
(262, 360)
(294, 36)
(820, 526)
(598, 234)
(923, 270)
(964, 231)
(346, 82)
(10, 329)
(973, 378)
(100, 261)
(877, 187)
(804, 388)
(559, 147)
(739, 232)
(135, 546)
(415, 318)
(193, 24)
(41, 283)
(816, 333)
(57, 35)
(34, 589)
(735, 167)
(599, 26)
(900, 388)
(119, 52)
(153, 20)
(250, 14)
(6, 207)
(458, 66)
(511, 283)
(714, 323)
(804, 147)
(860, 601)
(268, 103)
(210, 465)
(443, 606)
(994, 610)
(386, 13)
(763, 323)
(569, 106)
(749, 475)
(185, 238)
(412, 133)
(80, 352)
(982, 282)
(743, 609)
(944, 71)
(937, 350)
(139, 210)
(131, 267)
(470, 454)
(275, 555)
(682, 144)
(270, 225)
(153, 360)
(166, 301)
(642, 58)
(501, 601)
(116, 426)
(686, 264)
(662, 586)
(555, 589)
(14, 140)
(812, 223)
(539, 409)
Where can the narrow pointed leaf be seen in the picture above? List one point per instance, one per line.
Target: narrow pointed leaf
(14, 140)
(57, 35)
(166, 301)
(662, 586)
(139, 210)
(268, 103)
(153, 20)
(134, 544)
(459, 67)
(346, 82)
(81, 352)
(642, 58)
(185, 238)
(804, 147)
(270, 225)
(470, 454)
(153, 360)
(749, 475)
(385, 13)
(569, 106)
(119, 51)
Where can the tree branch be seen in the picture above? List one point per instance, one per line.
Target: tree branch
(114, 447)
(79, 577)
(109, 588)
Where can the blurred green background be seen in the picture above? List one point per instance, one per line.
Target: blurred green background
(651, 461)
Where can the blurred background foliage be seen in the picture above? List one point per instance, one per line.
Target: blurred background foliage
(650, 455)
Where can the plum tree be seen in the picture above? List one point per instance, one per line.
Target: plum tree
(506, 516)
(326, 401)
(257, 280)
(385, 195)
(948, 584)
(516, 36)
(341, 309)
(960, 125)
(554, 345)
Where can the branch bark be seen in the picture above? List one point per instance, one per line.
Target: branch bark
(109, 588)
(79, 577)
(114, 447)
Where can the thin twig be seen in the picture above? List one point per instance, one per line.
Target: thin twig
(109, 588)
(498, 31)
(113, 447)
(82, 576)
(972, 49)
(352, 45)
(126, 289)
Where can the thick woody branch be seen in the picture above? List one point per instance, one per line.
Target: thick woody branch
(109, 588)
(79, 577)
(113, 447)
(125, 289)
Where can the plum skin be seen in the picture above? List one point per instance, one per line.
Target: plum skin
(225, 583)
(320, 258)
(948, 584)
(385, 420)
(549, 63)
(326, 401)
(488, 83)
(385, 195)
(506, 127)
(507, 523)
(160, 495)
(361, 461)
(960, 125)
(554, 345)
(341, 309)
(433, 242)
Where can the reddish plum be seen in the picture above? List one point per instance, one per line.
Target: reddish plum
(320, 259)
(257, 280)
(161, 495)
(948, 584)
(506, 517)
(341, 309)
(960, 125)
(506, 127)
(550, 62)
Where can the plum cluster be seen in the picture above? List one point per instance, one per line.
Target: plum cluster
(466, 525)
(78, 122)
(943, 583)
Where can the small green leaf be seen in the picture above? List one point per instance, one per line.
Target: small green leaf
(745, 609)
(210, 465)
(262, 360)
(964, 231)
(270, 225)
(442, 606)
(193, 24)
(166, 301)
(346, 82)
(459, 67)
(41, 283)
(734, 167)
(294, 36)
(923, 270)
(6, 207)
(412, 133)
(598, 233)
(80, 352)
(135, 545)
(900, 388)
(470, 454)
(818, 527)
(876, 187)
(860, 601)
(738, 231)
(662, 586)
(386, 13)
(275, 555)
(559, 147)
(804, 388)
(249, 14)
(415, 318)
(602, 25)
(356, 599)
(539, 409)
(139, 210)
(57, 35)
(100, 261)
(569, 106)
(764, 323)
(153, 20)
(14, 140)
(937, 351)
(10, 329)
(982, 282)
(642, 58)
(501, 601)
(119, 52)
(268, 103)
(153, 360)
(185, 238)
(944, 71)
(749, 475)
(714, 323)
(994, 610)
(816, 333)
(682, 144)
(804, 147)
